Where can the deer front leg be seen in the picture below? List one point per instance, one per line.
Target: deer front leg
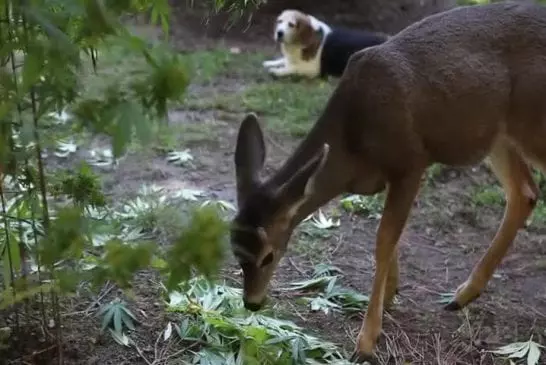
(391, 287)
(400, 196)
(521, 196)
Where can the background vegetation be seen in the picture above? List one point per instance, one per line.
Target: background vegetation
(72, 70)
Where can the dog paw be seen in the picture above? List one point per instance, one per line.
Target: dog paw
(278, 71)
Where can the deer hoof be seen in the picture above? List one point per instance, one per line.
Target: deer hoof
(363, 358)
(452, 306)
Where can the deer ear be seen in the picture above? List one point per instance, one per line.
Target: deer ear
(249, 155)
(302, 185)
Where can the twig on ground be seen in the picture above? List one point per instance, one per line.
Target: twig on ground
(298, 269)
(340, 242)
(107, 289)
(140, 353)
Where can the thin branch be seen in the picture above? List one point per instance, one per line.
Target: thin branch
(8, 248)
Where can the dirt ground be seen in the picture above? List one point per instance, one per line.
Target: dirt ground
(446, 235)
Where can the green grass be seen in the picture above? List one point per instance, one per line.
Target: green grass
(289, 106)
(493, 196)
(175, 136)
(211, 64)
(203, 66)
(488, 196)
(285, 106)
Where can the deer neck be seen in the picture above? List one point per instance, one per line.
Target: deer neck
(329, 182)
(306, 150)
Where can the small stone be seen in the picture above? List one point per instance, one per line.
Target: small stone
(5, 333)
(235, 50)
(51, 323)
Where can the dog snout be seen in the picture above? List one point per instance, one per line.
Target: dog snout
(279, 35)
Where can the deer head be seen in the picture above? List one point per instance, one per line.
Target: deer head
(266, 216)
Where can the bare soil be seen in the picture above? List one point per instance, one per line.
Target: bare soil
(445, 237)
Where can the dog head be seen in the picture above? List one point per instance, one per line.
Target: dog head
(293, 27)
(296, 28)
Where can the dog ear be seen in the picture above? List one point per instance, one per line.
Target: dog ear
(309, 38)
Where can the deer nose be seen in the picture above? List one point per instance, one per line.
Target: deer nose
(280, 34)
(253, 307)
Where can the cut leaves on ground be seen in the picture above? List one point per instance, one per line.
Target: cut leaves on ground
(213, 315)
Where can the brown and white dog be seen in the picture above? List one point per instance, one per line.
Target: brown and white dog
(312, 48)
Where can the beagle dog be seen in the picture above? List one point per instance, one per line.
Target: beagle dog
(312, 48)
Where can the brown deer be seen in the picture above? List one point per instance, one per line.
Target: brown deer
(453, 88)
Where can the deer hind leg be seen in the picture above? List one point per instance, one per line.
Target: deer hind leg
(521, 196)
(398, 204)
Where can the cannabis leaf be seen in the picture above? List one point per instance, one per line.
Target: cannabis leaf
(179, 157)
(117, 315)
(521, 350)
(65, 148)
(322, 222)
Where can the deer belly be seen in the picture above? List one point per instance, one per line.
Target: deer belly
(467, 145)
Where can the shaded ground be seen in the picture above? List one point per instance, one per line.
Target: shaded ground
(449, 229)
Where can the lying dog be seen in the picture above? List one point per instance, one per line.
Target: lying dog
(312, 48)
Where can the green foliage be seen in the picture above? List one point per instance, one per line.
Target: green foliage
(332, 296)
(201, 246)
(215, 317)
(368, 206)
(120, 261)
(83, 187)
(488, 196)
(116, 315)
(60, 229)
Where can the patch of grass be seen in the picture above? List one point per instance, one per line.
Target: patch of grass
(368, 206)
(210, 64)
(286, 107)
(539, 214)
(168, 137)
(433, 172)
(492, 196)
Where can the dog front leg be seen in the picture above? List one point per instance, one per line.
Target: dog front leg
(282, 71)
(274, 63)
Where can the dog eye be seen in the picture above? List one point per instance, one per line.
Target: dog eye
(291, 25)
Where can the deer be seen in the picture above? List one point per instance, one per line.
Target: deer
(457, 88)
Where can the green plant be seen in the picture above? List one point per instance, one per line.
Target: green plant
(215, 318)
(332, 297)
(116, 316)
(57, 227)
(488, 196)
(368, 206)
